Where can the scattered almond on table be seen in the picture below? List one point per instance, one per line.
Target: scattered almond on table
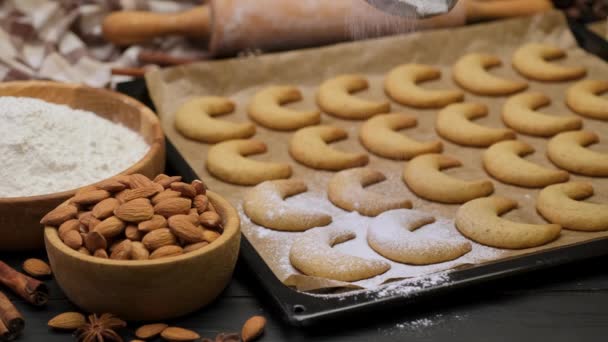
(130, 217)
(36, 268)
(67, 321)
(253, 328)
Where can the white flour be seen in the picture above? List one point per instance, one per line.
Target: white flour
(48, 148)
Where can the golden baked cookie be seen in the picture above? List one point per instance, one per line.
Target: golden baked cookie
(346, 189)
(454, 124)
(532, 61)
(227, 161)
(309, 146)
(313, 255)
(379, 135)
(562, 204)
(266, 109)
(194, 120)
(567, 151)
(401, 84)
(519, 112)
(423, 176)
(471, 74)
(335, 98)
(392, 235)
(480, 221)
(504, 161)
(584, 99)
(265, 205)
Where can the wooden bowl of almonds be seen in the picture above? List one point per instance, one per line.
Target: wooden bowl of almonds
(56, 138)
(143, 249)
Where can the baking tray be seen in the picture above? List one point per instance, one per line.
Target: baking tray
(300, 309)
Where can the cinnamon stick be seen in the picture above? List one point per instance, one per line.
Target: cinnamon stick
(163, 59)
(10, 316)
(5, 334)
(32, 290)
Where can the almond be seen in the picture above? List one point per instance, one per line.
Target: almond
(200, 203)
(122, 251)
(179, 334)
(93, 222)
(139, 251)
(164, 195)
(72, 239)
(124, 179)
(173, 206)
(195, 246)
(85, 189)
(110, 227)
(101, 253)
(105, 208)
(150, 330)
(90, 197)
(94, 241)
(136, 210)
(120, 196)
(166, 251)
(143, 192)
(36, 267)
(154, 223)
(158, 238)
(67, 321)
(253, 328)
(85, 217)
(199, 186)
(137, 180)
(166, 181)
(210, 219)
(68, 225)
(182, 227)
(210, 235)
(133, 234)
(185, 189)
(59, 215)
(111, 185)
(84, 250)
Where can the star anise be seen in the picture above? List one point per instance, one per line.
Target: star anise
(101, 329)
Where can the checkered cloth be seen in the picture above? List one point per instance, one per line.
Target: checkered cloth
(61, 39)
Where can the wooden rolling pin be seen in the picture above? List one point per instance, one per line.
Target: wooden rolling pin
(230, 26)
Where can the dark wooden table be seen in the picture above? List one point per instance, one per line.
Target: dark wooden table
(568, 303)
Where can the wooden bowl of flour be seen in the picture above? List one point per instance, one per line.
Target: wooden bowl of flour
(20, 227)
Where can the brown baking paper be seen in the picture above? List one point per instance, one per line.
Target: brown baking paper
(239, 79)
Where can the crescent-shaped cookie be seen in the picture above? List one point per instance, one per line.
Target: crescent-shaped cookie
(379, 135)
(424, 177)
(227, 161)
(309, 146)
(532, 61)
(567, 151)
(454, 124)
(504, 161)
(584, 99)
(266, 109)
(562, 204)
(471, 74)
(265, 205)
(313, 255)
(194, 120)
(401, 85)
(346, 189)
(392, 235)
(335, 98)
(479, 221)
(519, 112)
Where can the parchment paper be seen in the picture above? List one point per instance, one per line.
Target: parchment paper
(239, 79)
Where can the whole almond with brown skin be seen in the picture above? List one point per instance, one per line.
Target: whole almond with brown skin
(90, 197)
(72, 239)
(185, 189)
(85, 189)
(59, 215)
(72, 224)
(164, 195)
(154, 223)
(111, 185)
(195, 246)
(110, 227)
(94, 241)
(199, 186)
(173, 206)
(166, 181)
(210, 235)
(144, 192)
(36, 268)
(133, 234)
(179, 334)
(93, 222)
(139, 251)
(150, 330)
(84, 250)
(158, 238)
(136, 210)
(105, 208)
(120, 196)
(182, 227)
(210, 219)
(137, 180)
(166, 251)
(200, 203)
(122, 251)
(101, 253)
(84, 217)
(253, 328)
(67, 321)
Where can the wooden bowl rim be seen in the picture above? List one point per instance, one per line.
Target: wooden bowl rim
(143, 110)
(231, 228)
